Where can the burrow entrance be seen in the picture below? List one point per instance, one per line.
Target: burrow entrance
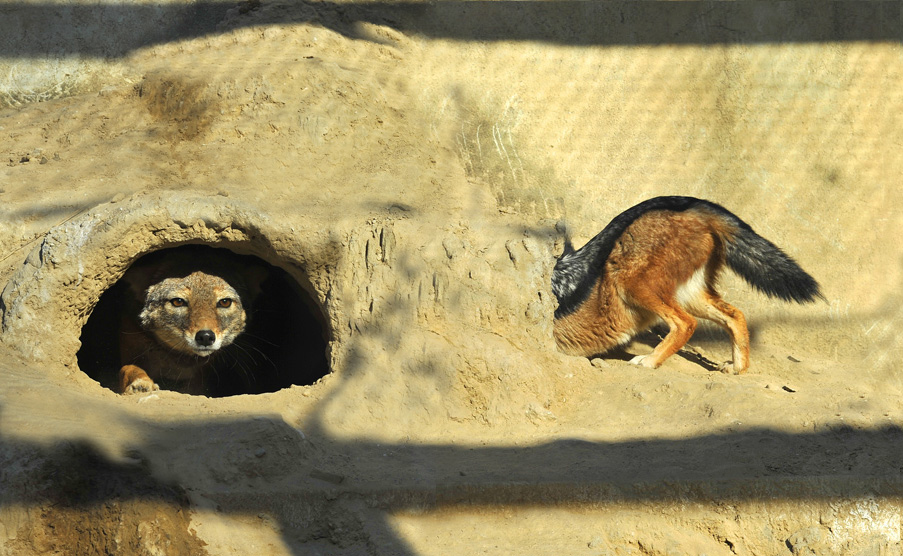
(284, 343)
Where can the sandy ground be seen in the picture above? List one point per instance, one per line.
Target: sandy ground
(414, 170)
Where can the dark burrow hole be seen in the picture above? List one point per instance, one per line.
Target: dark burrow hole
(284, 343)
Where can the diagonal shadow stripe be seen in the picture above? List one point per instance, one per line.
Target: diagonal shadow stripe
(114, 30)
(753, 465)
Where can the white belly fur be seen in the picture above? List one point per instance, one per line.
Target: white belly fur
(690, 293)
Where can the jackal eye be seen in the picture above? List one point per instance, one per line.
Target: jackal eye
(224, 303)
(178, 302)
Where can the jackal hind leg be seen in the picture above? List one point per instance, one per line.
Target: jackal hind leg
(715, 309)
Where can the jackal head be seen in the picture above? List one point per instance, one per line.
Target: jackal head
(196, 314)
(194, 301)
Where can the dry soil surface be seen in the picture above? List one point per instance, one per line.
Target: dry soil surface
(414, 170)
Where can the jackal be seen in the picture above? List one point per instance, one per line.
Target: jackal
(182, 309)
(660, 260)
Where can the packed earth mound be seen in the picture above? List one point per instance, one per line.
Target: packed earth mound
(411, 172)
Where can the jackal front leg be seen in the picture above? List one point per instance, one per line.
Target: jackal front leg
(133, 379)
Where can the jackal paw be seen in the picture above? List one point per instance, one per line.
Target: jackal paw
(139, 385)
(642, 361)
(731, 368)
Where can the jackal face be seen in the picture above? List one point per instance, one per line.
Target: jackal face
(197, 314)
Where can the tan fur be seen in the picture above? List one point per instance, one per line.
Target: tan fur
(664, 266)
(179, 321)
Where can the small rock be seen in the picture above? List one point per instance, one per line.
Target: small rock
(537, 413)
(597, 542)
(453, 247)
(599, 363)
(805, 542)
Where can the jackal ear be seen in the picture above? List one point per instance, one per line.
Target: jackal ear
(254, 276)
(138, 278)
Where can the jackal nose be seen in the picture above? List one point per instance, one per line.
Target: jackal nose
(205, 338)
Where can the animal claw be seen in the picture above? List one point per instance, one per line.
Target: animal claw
(141, 385)
(638, 360)
(727, 368)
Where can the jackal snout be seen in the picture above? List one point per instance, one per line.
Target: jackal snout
(205, 338)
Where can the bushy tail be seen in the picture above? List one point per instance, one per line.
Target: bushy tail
(768, 269)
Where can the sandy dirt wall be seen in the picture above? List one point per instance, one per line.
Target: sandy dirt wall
(413, 167)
